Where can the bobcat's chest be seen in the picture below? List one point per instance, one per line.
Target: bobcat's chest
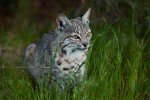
(69, 68)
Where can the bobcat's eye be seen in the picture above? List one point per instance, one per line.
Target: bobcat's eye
(75, 37)
(88, 34)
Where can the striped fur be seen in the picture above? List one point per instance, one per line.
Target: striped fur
(60, 56)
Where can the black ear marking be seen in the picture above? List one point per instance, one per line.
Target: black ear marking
(61, 24)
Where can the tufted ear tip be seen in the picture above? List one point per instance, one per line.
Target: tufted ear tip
(86, 16)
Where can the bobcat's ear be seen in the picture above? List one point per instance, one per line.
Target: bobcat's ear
(62, 21)
(85, 17)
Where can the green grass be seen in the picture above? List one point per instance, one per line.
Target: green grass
(118, 68)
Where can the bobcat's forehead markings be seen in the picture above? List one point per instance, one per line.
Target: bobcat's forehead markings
(63, 52)
(80, 27)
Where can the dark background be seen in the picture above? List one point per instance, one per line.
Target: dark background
(121, 45)
(42, 13)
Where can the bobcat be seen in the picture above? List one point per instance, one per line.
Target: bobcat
(60, 56)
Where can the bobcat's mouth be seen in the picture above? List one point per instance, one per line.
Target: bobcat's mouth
(81, 47)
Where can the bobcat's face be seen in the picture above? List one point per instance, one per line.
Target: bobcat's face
(80, 37)
(74, 34)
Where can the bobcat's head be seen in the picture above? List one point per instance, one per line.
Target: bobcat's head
(74, 34)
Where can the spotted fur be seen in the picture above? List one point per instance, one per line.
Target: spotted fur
(60, 56)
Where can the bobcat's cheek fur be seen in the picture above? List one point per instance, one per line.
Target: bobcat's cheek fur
(60, 57)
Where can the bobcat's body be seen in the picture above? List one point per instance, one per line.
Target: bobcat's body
(60, 56)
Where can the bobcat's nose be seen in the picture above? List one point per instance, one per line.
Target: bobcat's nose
(85, 44)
